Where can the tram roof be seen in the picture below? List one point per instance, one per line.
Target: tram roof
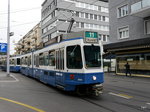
(81, 34)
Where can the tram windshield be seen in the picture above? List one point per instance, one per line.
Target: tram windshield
(92, 56)
(74, 59)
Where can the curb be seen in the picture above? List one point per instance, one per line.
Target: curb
(136, 75)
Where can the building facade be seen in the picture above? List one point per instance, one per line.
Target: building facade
(30, 41)
(88, 15)
(130, 35)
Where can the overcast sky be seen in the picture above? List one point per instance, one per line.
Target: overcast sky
(25, 14)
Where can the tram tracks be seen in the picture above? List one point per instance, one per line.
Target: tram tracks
(106, 107)
(99, 105)
(128, 91)
(130, 106)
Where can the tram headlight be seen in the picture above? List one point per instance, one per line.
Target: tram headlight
(94, 77)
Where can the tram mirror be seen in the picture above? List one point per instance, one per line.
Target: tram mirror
(72, 54)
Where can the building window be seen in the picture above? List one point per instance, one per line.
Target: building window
(123, 32)
(77, 14)
(53, 35)
(147, 27)
(103, 38)
(87, 15)
(77, 24)
(104, 9)
(104, 18)
(123, 11)
(82, 14)
(91, 16)
(95, 17)
(82, 25)
(100, 18)
(45, 39)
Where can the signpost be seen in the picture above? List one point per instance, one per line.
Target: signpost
(3, 47)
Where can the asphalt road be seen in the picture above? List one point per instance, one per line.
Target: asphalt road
(121, 94)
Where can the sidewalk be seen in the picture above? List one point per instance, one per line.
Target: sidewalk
(132, 75)
(5, 78)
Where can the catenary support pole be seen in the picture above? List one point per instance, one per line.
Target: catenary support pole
(8, 40)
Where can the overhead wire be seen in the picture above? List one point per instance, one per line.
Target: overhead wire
(20, 24)
(23, 10)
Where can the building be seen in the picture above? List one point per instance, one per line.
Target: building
(130, 35)
(88, 15)
(30, 42)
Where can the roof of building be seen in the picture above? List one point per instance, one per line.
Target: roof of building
(128, 44)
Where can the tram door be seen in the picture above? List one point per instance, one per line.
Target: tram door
(60, 66)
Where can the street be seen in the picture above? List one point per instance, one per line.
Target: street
(121, 94)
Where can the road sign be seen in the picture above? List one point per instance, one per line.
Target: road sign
(3, 47)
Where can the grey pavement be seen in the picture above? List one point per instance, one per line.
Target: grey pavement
(5, 77)
(121, 94)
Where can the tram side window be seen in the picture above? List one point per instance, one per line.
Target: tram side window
(21, 63)
(74, 59)
(10, 61)
(29, 61)
(34, 59)
(37, 61)
(57, 59)
(26, 60)
(13, 61)
(62, 59)
(41, 59)
(18, 61)
(52, 58)
(46, 59)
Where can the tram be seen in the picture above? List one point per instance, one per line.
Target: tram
(72, 62)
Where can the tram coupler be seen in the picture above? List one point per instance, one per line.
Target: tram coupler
(97, 89)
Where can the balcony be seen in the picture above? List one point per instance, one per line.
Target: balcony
(141, 8)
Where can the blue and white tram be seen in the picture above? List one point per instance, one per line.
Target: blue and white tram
(3, 63)
(15, 64)
(72, 62)
(26, 64)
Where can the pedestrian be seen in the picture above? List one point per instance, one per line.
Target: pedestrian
(127, 68)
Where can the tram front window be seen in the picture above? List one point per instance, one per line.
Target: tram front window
(74, 59)
(92, 56)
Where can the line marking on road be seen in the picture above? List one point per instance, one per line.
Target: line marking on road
(148, 103)
(121, 95)
(22, 104)
(16, 80)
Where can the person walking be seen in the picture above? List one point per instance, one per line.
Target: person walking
(127, 68)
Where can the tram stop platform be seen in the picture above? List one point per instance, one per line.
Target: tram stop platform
(5, 78)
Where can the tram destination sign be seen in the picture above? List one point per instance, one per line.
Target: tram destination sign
(3, 47)
(91, 37)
